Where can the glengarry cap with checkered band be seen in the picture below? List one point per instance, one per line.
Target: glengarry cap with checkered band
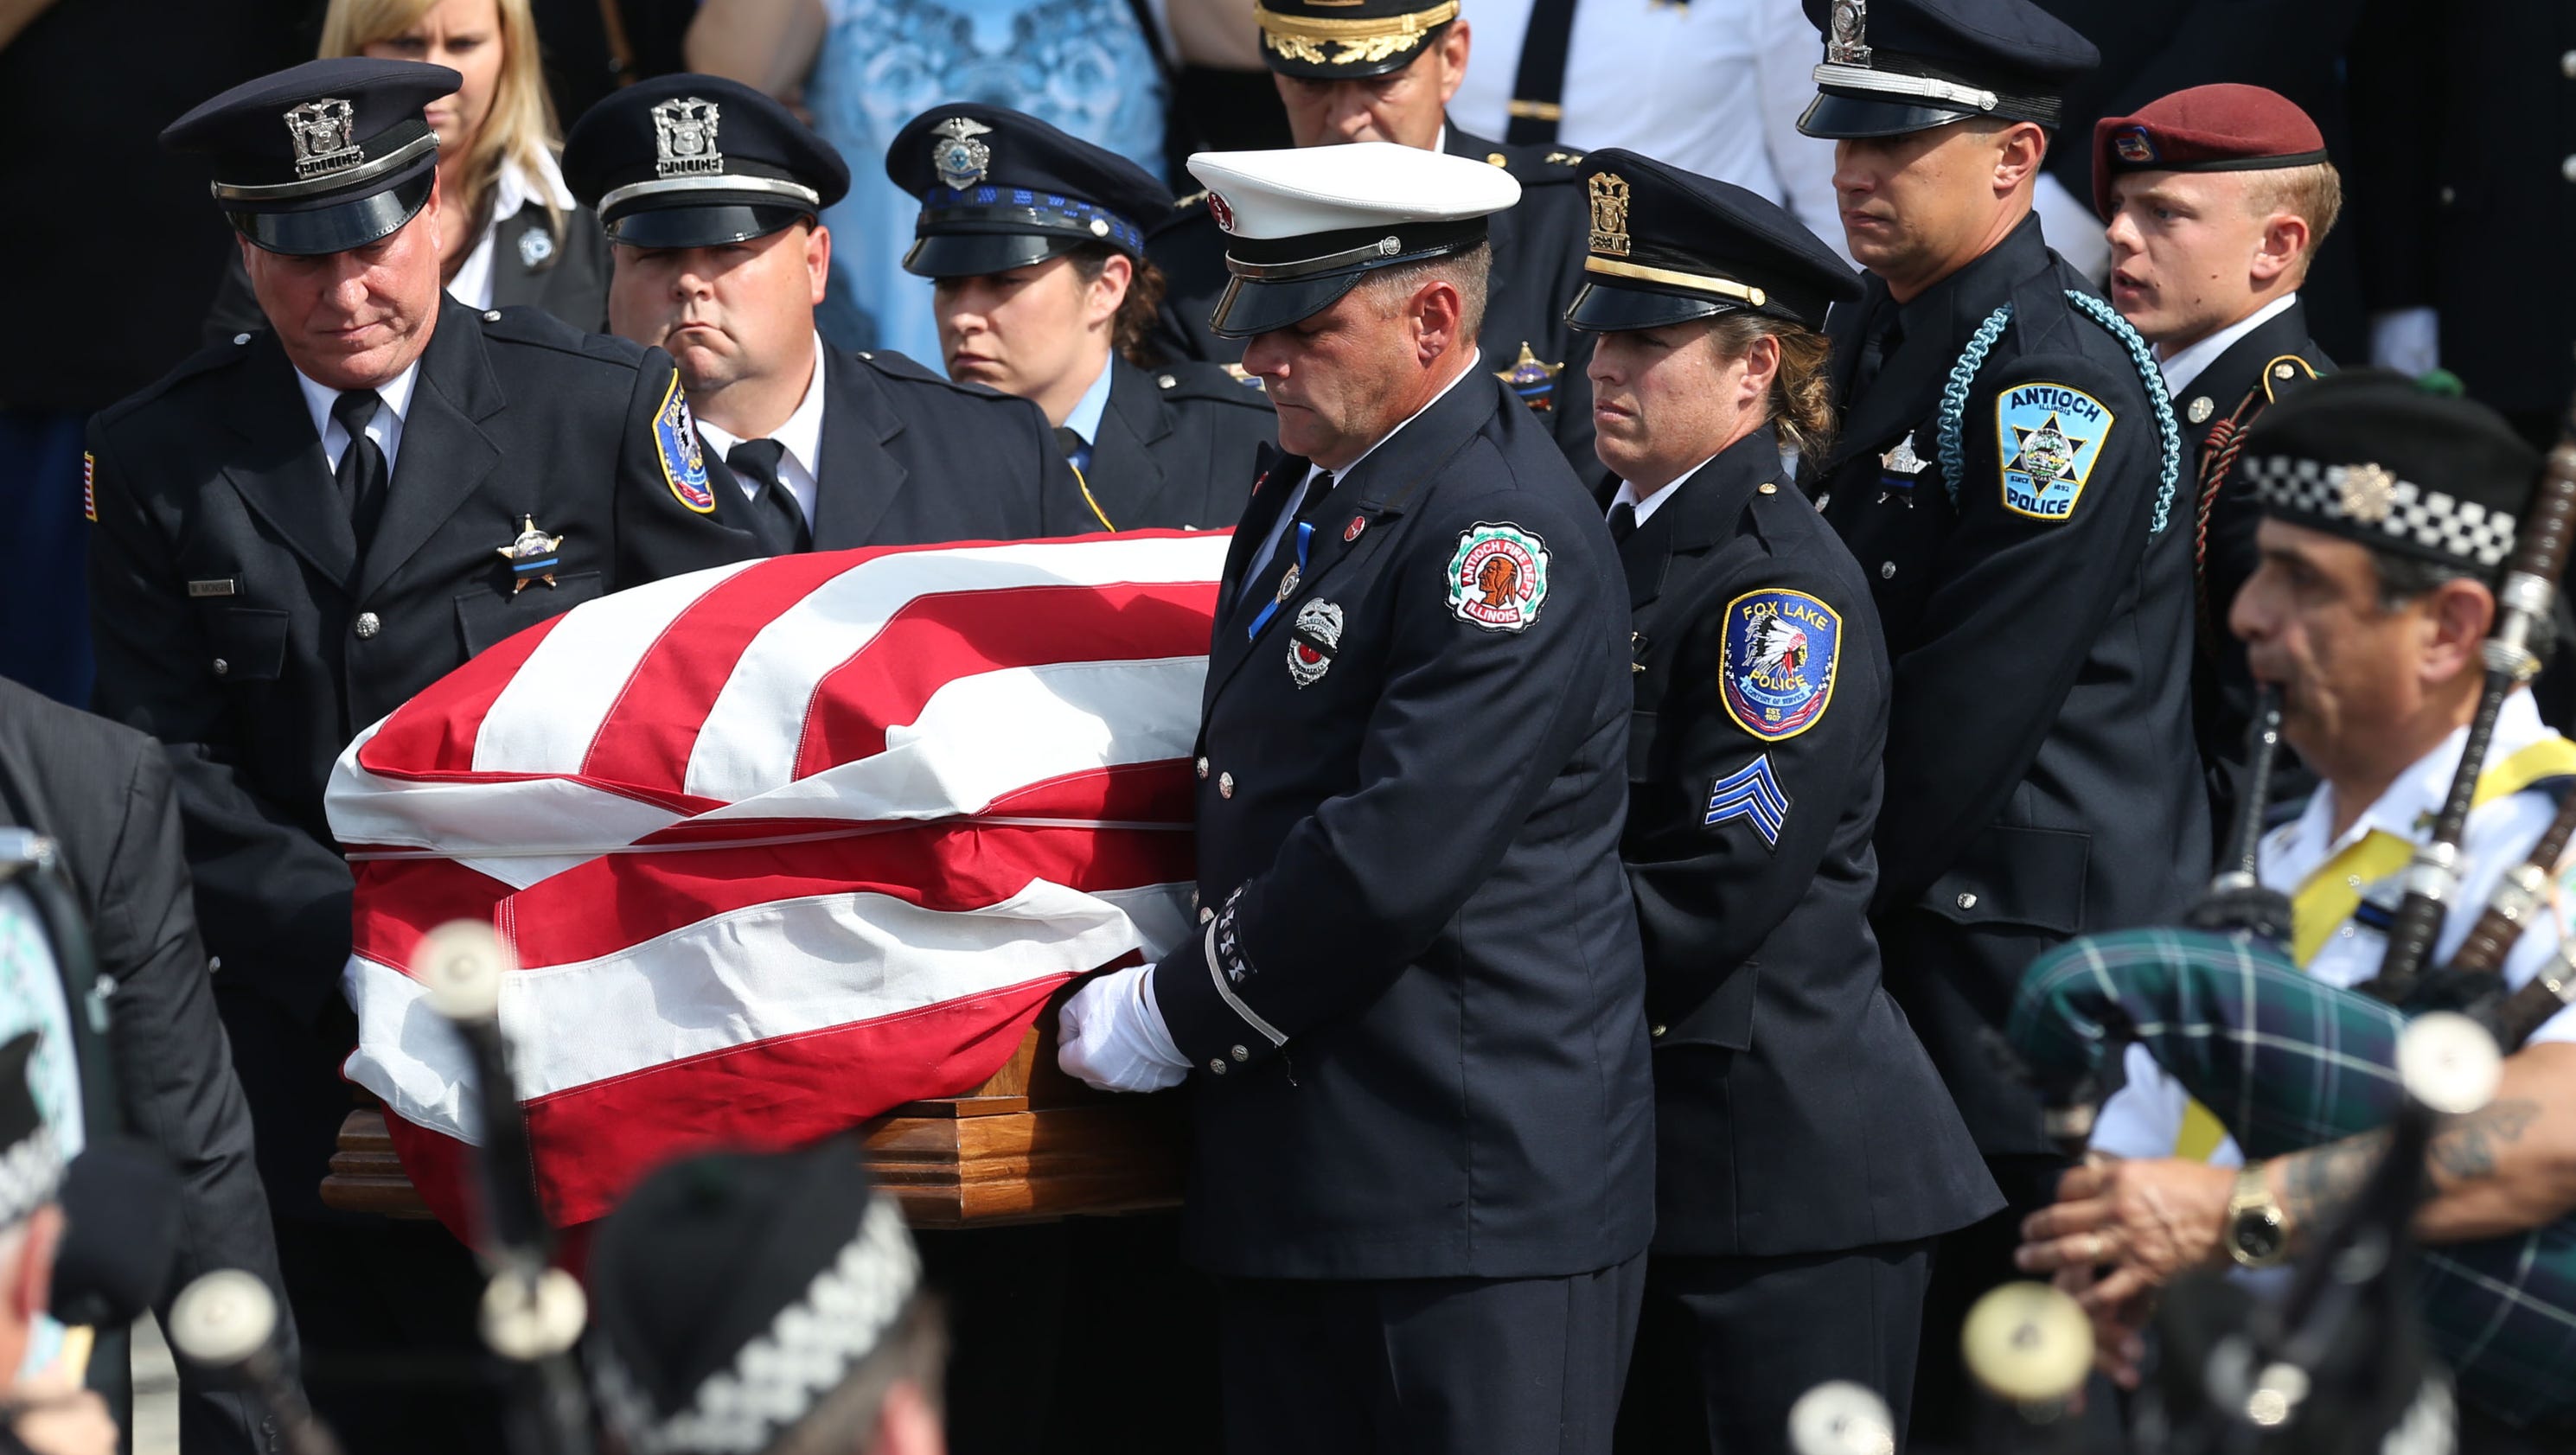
(1340, 40)
(2395, 464)
(322, 157)
(1669, 245)
(1304, 225)
(1894, 66)
(733, 1292)
(692, 161)
(31, 1160)
(1000, 190)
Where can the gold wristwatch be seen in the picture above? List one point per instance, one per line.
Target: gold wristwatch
(2257, 1232)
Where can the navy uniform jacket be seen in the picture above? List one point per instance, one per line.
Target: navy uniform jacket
(1415, 1011)
(1538, 244)
(2042, 780)
(2237, 386)
(234, 621)
(912, 458)
(1794, 1110)
(1178, 446)
(566, 276)
(104, 796)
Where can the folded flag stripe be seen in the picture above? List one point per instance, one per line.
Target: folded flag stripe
(777, 846)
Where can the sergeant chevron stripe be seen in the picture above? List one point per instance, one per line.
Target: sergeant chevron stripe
(1751, 793)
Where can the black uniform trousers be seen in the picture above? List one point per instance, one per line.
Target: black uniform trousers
(1420, 1366)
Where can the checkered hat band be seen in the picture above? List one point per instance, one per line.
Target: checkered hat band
(2367, 501)
(30, 1174)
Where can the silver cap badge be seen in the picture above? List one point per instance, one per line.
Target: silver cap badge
(684, 139)
(1846, 45)
(323, 137)
(956, 155)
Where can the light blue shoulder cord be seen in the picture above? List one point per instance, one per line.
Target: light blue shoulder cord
(1954, 397)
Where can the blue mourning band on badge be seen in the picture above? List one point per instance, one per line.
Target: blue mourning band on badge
(1776, 662)
(1751, 793)
(1270, 608)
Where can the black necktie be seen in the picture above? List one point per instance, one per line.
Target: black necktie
(1077, 451)
(1265, 582)
(361, 472)
(781, 519)
(1623, 523)
(1881, 337)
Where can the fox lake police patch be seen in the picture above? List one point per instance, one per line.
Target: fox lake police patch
(1776, 662)
(2049, 437)
(1498, 576)
(684, 458)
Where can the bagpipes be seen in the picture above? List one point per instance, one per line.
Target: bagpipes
(2287, 1063)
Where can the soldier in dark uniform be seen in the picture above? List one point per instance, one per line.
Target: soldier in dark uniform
(1384, 70)
(297, 531)
(1805, 1152)
(2010, 479)
(764, 1303)
(711, 194)
(1035, 243)
(1412, 1011)
(2216, 200)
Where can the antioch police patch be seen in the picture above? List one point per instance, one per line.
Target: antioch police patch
(684, 458)
(1498, 577)
(2049, 437)
(1776, 664)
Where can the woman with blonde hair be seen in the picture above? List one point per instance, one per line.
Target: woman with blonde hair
(510, 232)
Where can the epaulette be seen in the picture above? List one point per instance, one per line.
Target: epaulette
(1537, 166)
(910, 370)
(204, 361)
(1188, 210)
(539, 329)
(1219, 382)
(2285, 376)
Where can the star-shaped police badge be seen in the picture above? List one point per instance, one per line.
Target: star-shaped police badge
(1533, 379)
(532, 556)
(2047, 454)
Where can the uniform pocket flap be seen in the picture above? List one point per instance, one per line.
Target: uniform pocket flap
(250, 643)
(2026, 877)
(486, 618)
(1724, 1017)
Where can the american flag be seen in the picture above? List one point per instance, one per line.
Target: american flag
(776, 846)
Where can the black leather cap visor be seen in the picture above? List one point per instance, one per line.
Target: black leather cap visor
(705, 226)
(1841, 114)
(975, 254)
(1600, 307)
(338, 226)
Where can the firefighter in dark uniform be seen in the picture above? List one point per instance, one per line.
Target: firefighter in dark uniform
(1412, 1013)
(1806, 1154)
(302, 527)
(2216, 199)
(1034, 241)
(711, 193)
(2010, 479)
(1384, 70)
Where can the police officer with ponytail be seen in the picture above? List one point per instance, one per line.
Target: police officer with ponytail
(1806, 1152)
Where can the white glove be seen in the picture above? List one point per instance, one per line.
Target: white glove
(2408, 340)
(1114, 1036)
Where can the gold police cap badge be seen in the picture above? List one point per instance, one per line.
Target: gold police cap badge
(1609, 214)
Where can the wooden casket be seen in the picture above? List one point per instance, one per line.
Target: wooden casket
(1029, 1145)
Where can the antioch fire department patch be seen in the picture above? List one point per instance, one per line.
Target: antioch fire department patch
(1498, 577)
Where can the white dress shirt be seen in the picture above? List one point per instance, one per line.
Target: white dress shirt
(2191, 362)
(1647, 505)
(1712, 86)
(386, 429)
(2145, 1117)
(802, 435)
(514, 188)
(1261, 558)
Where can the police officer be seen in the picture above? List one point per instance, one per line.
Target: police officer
(1805, 1153)
(712, 193)
(1384, 70)
(301, 528)
(764, 1304)
(1412, 1009)
(2216, 200)
(2009, 477)
(1033, 241)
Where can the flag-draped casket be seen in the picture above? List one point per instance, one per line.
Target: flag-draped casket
(777, 846)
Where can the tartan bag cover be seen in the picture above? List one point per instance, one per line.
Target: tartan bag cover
(2289, 1063)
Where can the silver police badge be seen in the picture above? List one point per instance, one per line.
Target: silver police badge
(684, 139)
(1311, 642)
(1845, 43)
(324, 137)
(956, 155)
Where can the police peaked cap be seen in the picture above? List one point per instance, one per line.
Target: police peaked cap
(31, 1160)
(691, 161)
(1894, 66)
(322, 157)
(2220, 128)
(1669, 245)
(1341, 40)
(732, 1292)
(2396, 464)
(1000, 189)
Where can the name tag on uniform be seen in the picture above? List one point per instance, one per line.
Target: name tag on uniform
(221, 586)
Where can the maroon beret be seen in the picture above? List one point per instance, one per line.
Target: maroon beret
(2225, 128)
